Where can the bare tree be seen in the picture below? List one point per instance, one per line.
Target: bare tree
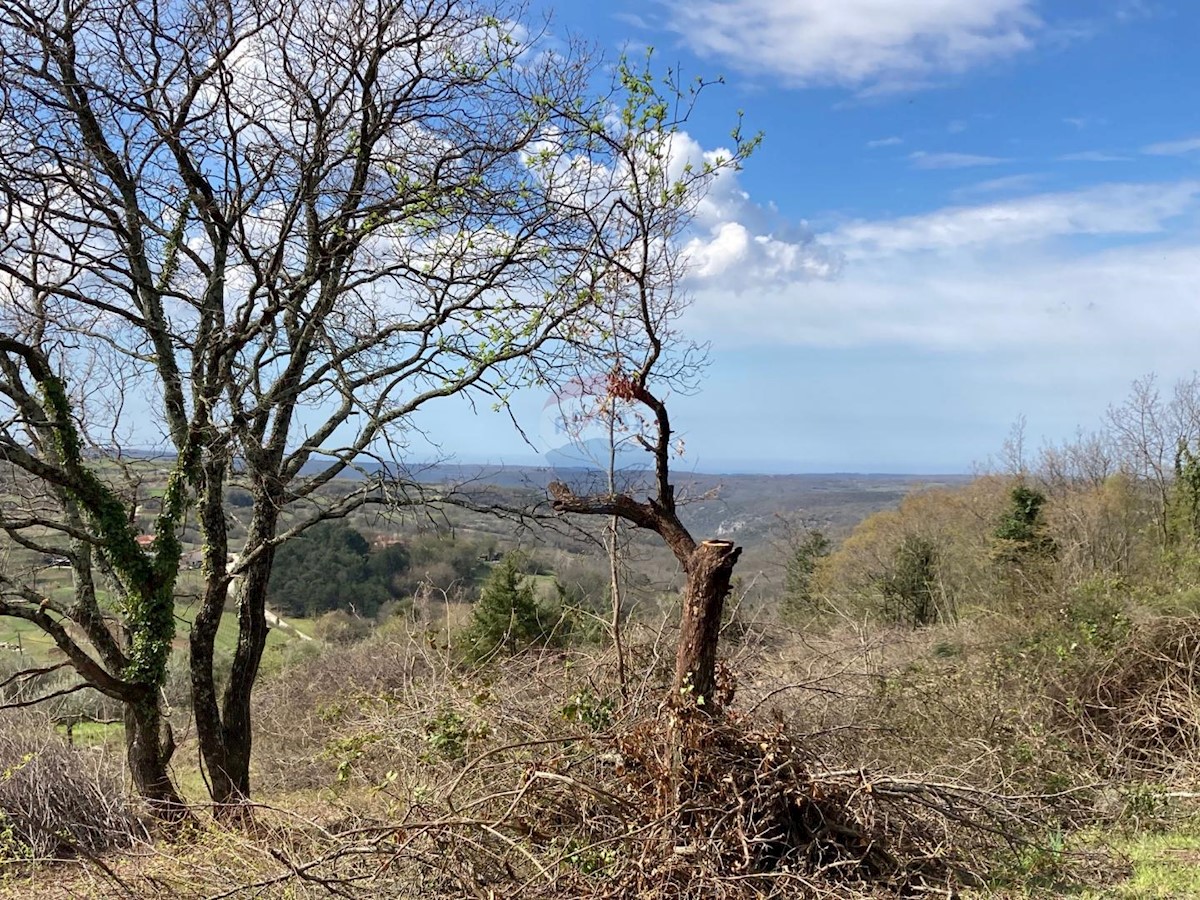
(418, 248)
(276, 231)
(1148, 431)
(638, 278)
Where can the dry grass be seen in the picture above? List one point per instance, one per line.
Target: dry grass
(863, 764)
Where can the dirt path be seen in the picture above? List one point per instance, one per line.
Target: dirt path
(276, 622)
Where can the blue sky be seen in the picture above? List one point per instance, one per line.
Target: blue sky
(963, 212)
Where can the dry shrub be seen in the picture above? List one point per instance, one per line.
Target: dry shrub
(57, 801)
(954, 703)
(373, 702)
(957, 524)
(1139, 704)
(534, 778)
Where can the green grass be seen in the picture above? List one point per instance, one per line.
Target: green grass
(302, 625)
(34, 642)
(1164, 866)
(227, 631)
(94, 734)
(38, 646)
(1161, 866)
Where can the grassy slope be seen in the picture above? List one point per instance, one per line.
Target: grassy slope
(38, 646)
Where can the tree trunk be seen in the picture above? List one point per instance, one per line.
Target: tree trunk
(149, 747)
(224, 730)
(614, 580)
(252, 640)
(709, 571)
(210, 731)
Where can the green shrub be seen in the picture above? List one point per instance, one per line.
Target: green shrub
(911, 593)
(799, 598)
(586, 707)
(508, 616)
(446, 736)
(1022, 529)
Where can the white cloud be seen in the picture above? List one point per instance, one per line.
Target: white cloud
(740, 244)
(730, 252)
(732, 240)
(1097, 156)
(923, 160)
(885, 142)
(1113, 209)
(856, 43)
(1000, 185)
(1002, 282)
(631, 19)
(892, 87)
(1129, 302)
(1173, 148)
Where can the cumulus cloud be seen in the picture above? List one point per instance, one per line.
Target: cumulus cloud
(732, 240)
(856, 43)
(740, 244)
(732, 253)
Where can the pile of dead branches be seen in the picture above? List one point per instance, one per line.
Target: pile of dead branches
(736, 801)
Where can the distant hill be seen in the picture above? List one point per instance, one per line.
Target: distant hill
(743, 505)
